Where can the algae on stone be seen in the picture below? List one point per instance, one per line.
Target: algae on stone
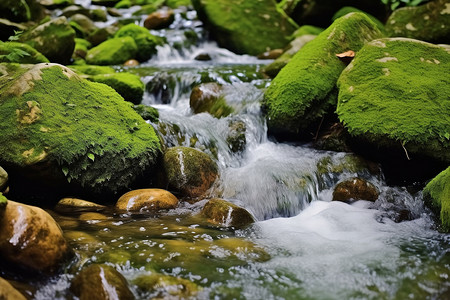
(305, 89)
(128, 85)
(437, 196)
(112, 52)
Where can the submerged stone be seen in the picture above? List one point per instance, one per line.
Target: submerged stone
(224, 213)
(355, 189)
(147, 200)
(167, 286)
(305, 89)
(437, 195)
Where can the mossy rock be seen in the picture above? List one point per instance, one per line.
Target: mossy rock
(178, 3)
(349, 9)
(102, 34)
(99, 282)
(246, 27)
(147, 112)
(437, 195)
(305, 89)
(145, 41)
(57, 127)
(53, 4)
(92, 69)
(55, 39)
(224, 213)
(394, 96)
(112, 52)
(12, 52)
(355, 189)
(128, 85)
(3, 179)
(16, 11)
(429, 22)
(82, 24)
(236, 139)
(190, 172)
(209, 97)
(167, 287)
(3, 201)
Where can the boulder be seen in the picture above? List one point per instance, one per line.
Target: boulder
(147, 200)
(159, 19)
(145, 41)
(55, 39)
(305, 89)
(31, 239)
(190, 172)
(99, 282)
(20, 11)
(355, 189)
(209, 97)
(12, 52)
(393, 98)
(75, 205)
(147, 112)
(102, 34)
(58, 130)
(128, 85)
(437, 195)
(349, 9)
(223, 213)
(80, 51)
(245, 27)
(3, 179)
(235, 138)
(429, 22)
(84, 23)
(112, 52)
(8, 292)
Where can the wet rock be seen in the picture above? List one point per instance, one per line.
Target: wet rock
(224, 213)
(355, 189)
(334, 137)
(31, 239)
(203, 57)
(99, 282)
(208, 97)
(428, 22)
(92, 216)
(147, 112)
(72, 204)
(437, 196)
(250, 27)
(8, 292)
(115, 51)
(236, 136)
(101, 35)
(147, 200)
(272, 54)
(160, 19)
(167, 286)
(409, 130)
(3, 179)
(162, 86)
(83, 241)
(190, 172)
(305, 89)
(83, 139)
(128, 85)
(55, 39)
(75, 9)
(131, 63)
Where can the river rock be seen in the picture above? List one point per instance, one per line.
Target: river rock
(100, 282)
(115, 51)
(147, 200)
(80, 51)
(74, 204)
(236, 139)
(245, 27)
(128, 85)
(428, 22)
(147, 112)
(55, 39)
(355, 189)
(8, 292)
(21, 11)
(3, 179)
(131, 63)
(31, 239)
(305, 89)
(12, 52)
(92, 216)
(190, 172)
(393, 117)
(86, 25)
(102, 34)
(349, 9)
(159, 19)
(437, 196)
(53, 4)
(224, 213)
(73, 133)
(145, 41)
(168, 287)
(209, 97)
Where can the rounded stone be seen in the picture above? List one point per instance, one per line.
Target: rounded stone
(3, 179)
(91, 216)
(131, 63)
(159, 19)
(8, 292)
(355, 189)
(224, 213)
(74, 204)
(147, 200)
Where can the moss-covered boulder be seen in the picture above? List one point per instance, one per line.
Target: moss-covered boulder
(250, 27)
(349, 9)
(13, 10)
(128, 85)
(235, 138)
(3, 179)
(56, 128)
(147, 200)
(147, 112)
(31, 239)
(83, 25)
(12, 52)
(224, 213)
(80, 51)
(145, 41)
(355, 189)
(99, 282)
(305, 89)
(112, 52)
(190, 172)
(8, 292)
(209, 97)
(167, 287)
(394, 96)
(75, 205)
(55, 39)
(437, 195)
(92, 69)
(428, 22)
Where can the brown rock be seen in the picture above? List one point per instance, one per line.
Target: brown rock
(8, 292)
(159, 19)
(74, 204)
(131, 63)
(355, 189)
(224, 213)
(90, 216)
(272, 54)
(30, 238)
(147, 200)
(3, 179)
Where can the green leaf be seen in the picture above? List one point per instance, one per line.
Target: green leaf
(91, 156)
(65, 171)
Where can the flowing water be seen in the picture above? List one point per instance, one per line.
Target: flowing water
(303, 245)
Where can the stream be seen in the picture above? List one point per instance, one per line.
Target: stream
(303, 245)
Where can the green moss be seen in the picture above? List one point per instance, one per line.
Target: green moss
(147, 112)
(84, 129)
(82, 44)
(128, 85)
(307, 29)
(3, 201)
(178, 3)
(112, 52)
(148, 8)
(349, 9)
(208, 97)
(145, 41)
(437, 195)
(13, 52)
(396, 91)
(250, 27)
(123, 4)
(93, 70)
(305, 89)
